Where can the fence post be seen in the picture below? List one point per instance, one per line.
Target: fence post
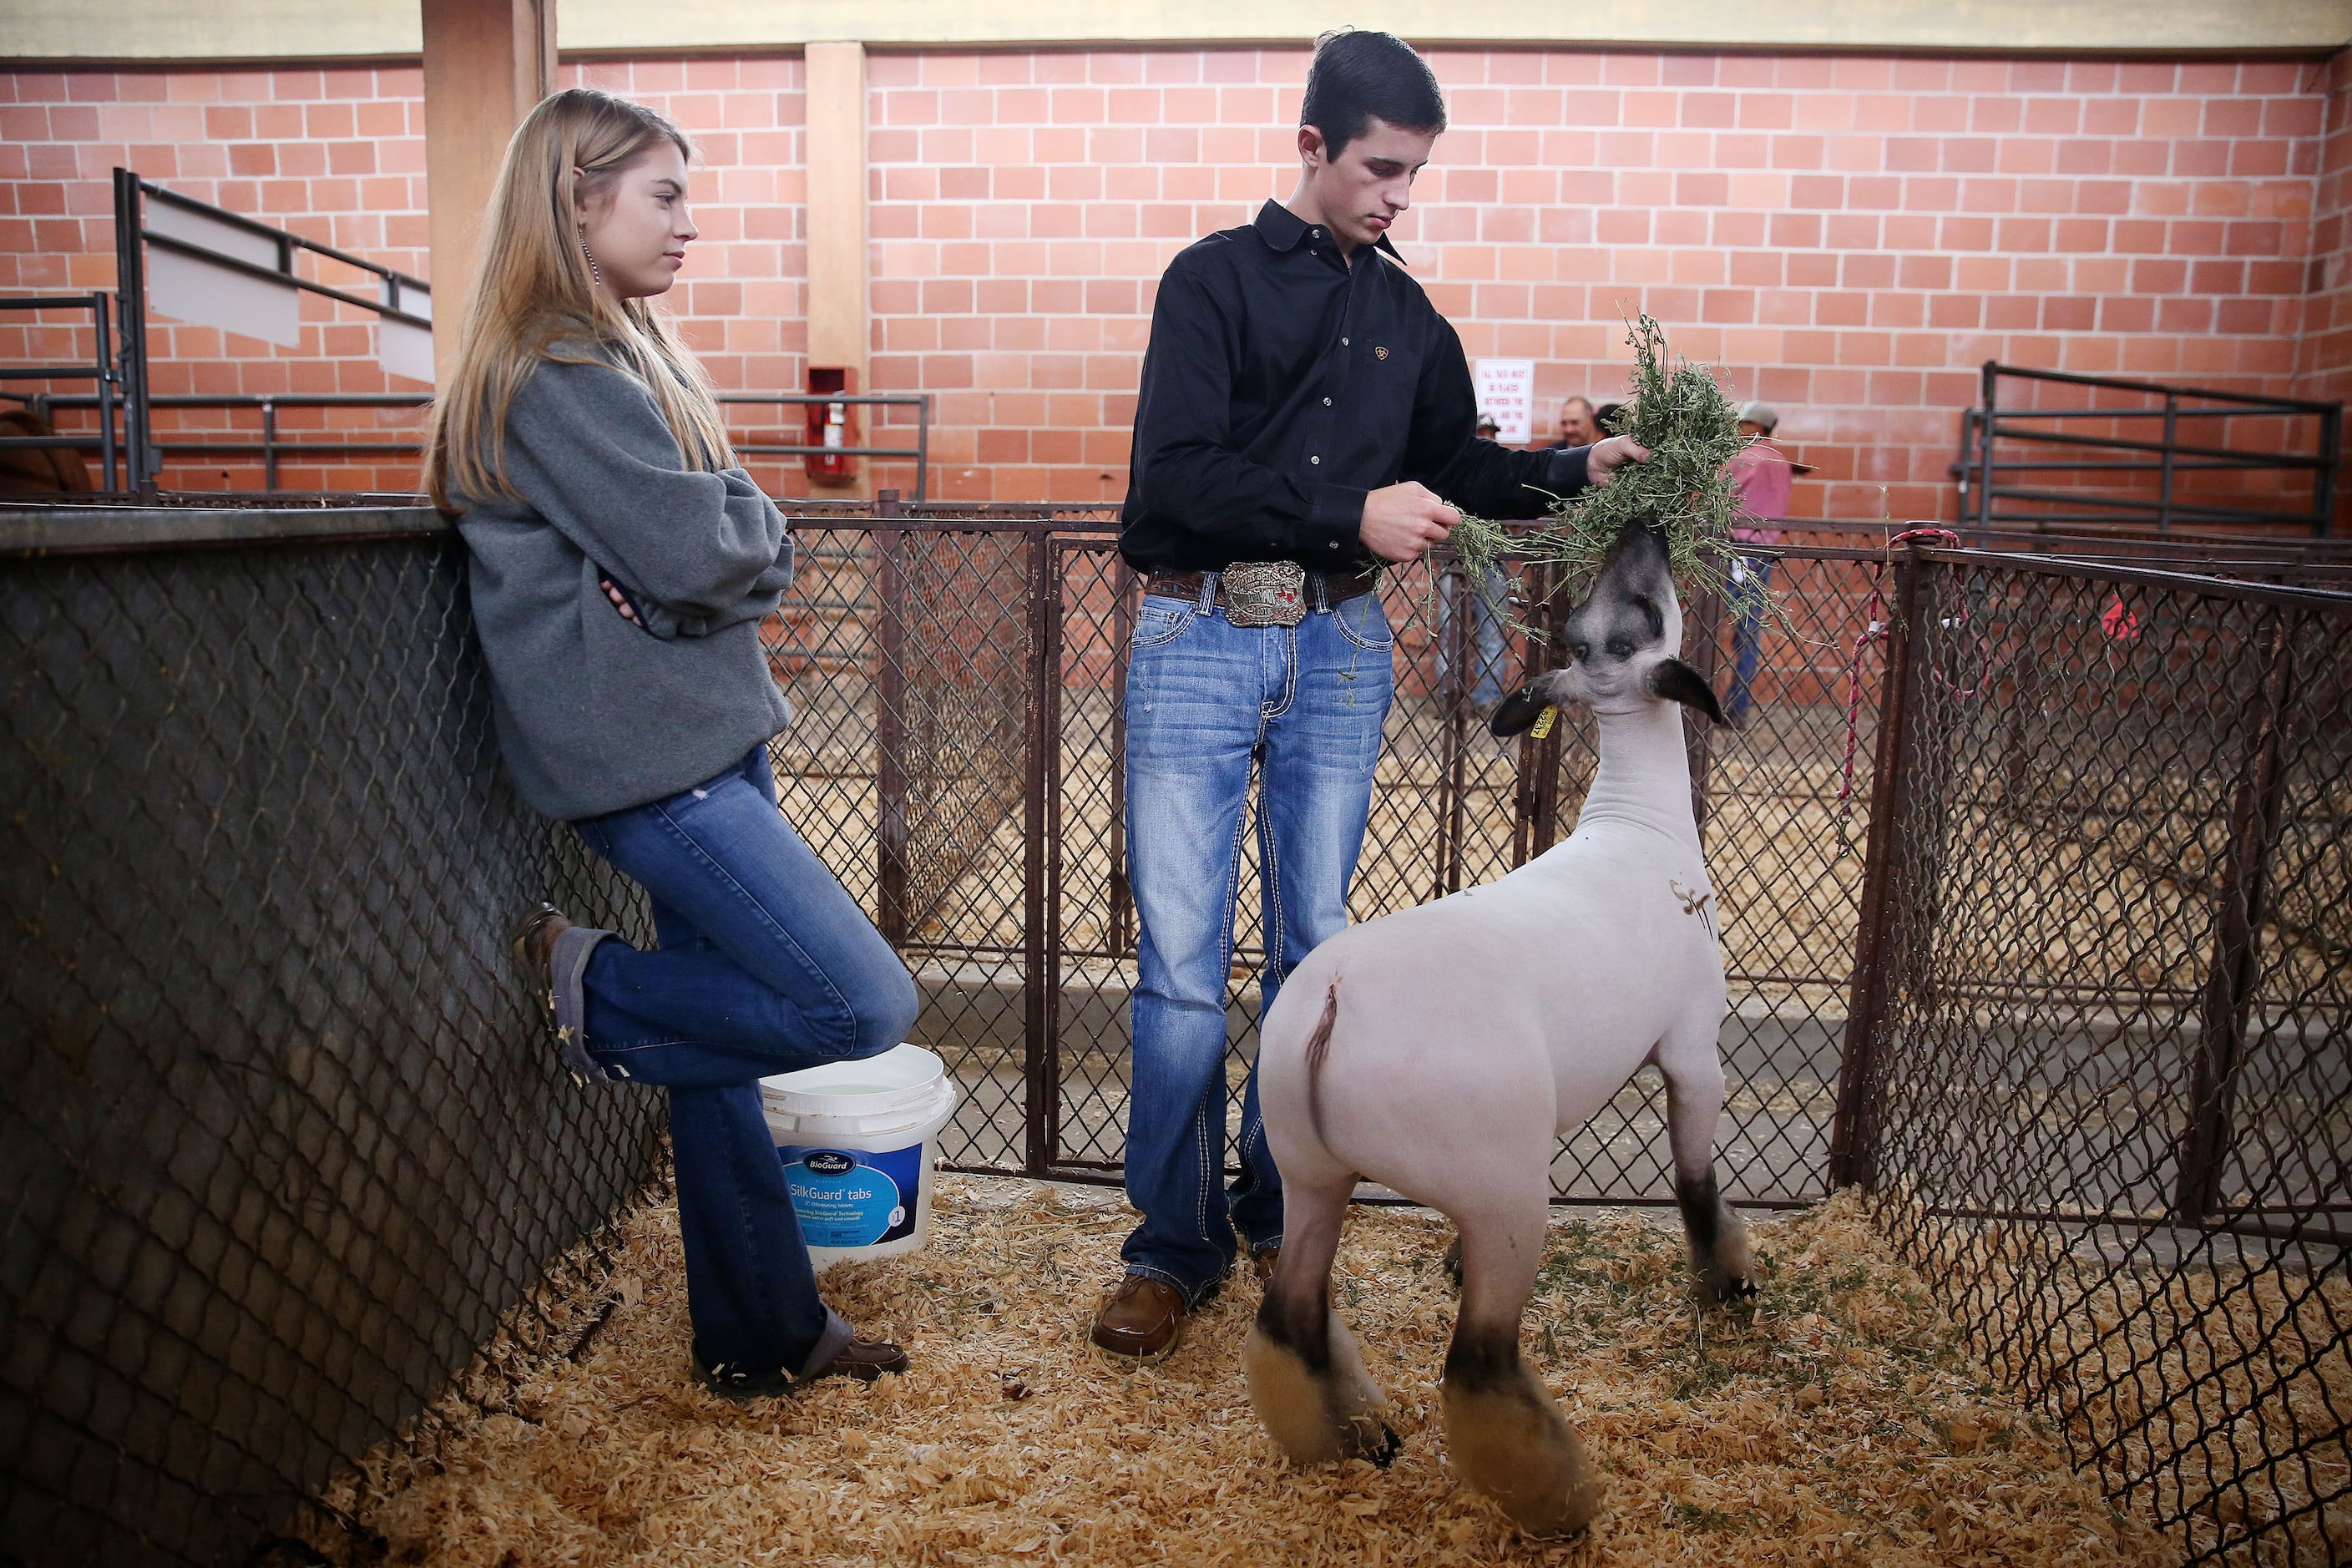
(2331, 447)
(131, 331)
(1984, 453)
(890, 724)
(1854, 1153)
(1536, 804)
(1706, 654)
(1457, 604)
(2164, 468)
(1041, 967)
(1121, 930)
(2229, 981)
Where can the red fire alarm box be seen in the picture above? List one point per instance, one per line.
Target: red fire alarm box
(830, 425)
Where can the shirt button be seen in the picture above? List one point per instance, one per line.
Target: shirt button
(1313, 459)
(1326, 403)
(1343, 342)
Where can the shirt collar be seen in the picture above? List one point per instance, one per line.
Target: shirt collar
(1282, 229)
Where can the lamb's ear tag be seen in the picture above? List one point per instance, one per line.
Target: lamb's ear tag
(1542, 726)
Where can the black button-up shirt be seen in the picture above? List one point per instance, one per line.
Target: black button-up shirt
(1282, 384)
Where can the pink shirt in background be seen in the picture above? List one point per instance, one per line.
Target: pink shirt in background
(1763, 477)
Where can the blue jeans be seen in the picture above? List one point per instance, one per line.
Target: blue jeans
(1752, 576)
(1484, 604)
(766, 965)
(1207, 701)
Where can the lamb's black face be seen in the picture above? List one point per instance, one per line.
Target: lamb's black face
(1620, 642)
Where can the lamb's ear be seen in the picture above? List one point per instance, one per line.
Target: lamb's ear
(1518, 711)
(1678, 682)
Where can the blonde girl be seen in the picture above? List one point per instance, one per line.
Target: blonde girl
(622, 563)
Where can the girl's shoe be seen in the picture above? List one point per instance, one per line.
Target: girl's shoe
(864, 1360)
(550, 953)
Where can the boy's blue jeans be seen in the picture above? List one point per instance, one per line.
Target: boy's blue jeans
(1206, 701)
(766, 965)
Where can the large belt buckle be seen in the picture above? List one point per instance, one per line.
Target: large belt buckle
(1265, 593)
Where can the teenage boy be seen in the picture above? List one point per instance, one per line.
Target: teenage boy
(1304, 415)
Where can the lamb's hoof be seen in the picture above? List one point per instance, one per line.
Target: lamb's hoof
(1453, 1263)
(1739, 1287)
(1391, 1446)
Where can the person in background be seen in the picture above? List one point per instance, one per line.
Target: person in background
(1763, 476)
(1576, 425)
(1487, 611)
(1603, 418)
(620, 565)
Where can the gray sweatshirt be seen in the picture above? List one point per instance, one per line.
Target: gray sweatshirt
(595, 714)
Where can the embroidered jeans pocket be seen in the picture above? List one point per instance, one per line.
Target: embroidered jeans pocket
(1364, 621)
(1161, 621)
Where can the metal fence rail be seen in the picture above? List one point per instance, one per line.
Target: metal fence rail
(2087, 452)
(2054, 958)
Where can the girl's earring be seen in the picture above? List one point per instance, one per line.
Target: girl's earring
(593, 273)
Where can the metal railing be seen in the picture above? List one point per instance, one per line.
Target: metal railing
(274, 447)
(2144, 464)
(99, 369)
(235, 246)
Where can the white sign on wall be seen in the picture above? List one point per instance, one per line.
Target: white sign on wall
(1507, 392)
(196, 290)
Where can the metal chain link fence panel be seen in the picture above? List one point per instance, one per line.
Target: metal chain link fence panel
(281, 1140)
(2105, 1104)
(281, 1148)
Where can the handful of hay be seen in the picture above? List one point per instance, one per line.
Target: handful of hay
(1679, 412)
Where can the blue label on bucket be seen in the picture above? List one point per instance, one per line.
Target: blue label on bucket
(853, 1197)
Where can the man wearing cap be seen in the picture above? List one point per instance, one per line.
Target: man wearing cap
(1305, 414)
(1763, 478)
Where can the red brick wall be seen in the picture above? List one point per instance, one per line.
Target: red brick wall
(1848, 236)
(2326, 364)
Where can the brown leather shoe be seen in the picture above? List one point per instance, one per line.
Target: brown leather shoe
(1141, 1320)
(532, 945)
(1263, 1261)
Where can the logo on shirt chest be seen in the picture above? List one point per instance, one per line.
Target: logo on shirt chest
(1379, 352)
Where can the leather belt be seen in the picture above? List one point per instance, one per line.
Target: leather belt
(1244, 601)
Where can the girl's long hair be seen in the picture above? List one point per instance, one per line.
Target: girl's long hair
(533, 299)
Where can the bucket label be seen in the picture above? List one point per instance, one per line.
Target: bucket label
(853, 1197)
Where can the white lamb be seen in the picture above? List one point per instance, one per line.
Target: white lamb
(1442, 1050)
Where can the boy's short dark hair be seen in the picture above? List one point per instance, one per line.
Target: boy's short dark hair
(1357, 77)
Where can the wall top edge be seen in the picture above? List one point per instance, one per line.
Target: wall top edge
(214, 31)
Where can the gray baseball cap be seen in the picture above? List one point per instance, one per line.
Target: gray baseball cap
(1757, 412)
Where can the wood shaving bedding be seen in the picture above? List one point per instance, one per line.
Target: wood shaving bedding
(1836, 1422)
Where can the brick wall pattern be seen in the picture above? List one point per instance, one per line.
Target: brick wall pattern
(1848, 236)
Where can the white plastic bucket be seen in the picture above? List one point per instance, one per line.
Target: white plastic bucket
(859, 1141)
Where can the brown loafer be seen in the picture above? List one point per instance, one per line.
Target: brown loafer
(532, 945)
(1141, 1320)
